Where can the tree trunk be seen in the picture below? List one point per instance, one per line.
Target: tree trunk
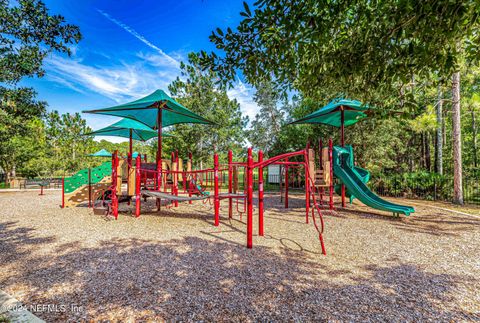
(457, 140)
(422, 151)
(474, 130)
(428, 159)
(439, 137)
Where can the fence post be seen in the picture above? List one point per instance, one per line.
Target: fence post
(249, 199)
(216, 197)
(260, 195)
(138, 180)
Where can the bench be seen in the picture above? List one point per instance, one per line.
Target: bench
(29, 183)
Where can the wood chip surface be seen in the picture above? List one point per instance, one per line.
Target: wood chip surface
(70, 265)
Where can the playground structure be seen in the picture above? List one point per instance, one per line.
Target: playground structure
(167, 180)
(175, 184)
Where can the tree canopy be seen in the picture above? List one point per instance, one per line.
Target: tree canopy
(368, 50)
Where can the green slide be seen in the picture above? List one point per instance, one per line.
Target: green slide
(344, 169)
(362, 173)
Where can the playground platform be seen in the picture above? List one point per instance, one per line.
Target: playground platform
(175, 265)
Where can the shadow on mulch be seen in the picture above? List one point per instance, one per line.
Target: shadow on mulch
(197, 279)
(436, 224)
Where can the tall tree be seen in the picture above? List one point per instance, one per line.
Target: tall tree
(265, 128)
(457, 140)
(198, 90)
(364, 49)
(17, 112)
(439, 133)
(27, 34)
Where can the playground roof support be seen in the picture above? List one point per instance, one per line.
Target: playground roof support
(338, 113)
(156, 110)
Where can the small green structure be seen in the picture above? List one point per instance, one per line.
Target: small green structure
(101, 153)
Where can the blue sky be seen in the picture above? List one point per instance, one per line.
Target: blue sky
(129, 49)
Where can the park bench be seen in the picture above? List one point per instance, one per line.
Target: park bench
(29, 183)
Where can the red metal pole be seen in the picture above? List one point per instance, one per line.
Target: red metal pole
(249, 199)
(286, 184)
(307, 183)
(63, 192)
(216, 197)
(343, 145)
(190, 184)
(129, 159)
(330, 157)
(138, 197)
(114, 184)
(159, 152)
(177, 169)
(230, 190)
(260, 195)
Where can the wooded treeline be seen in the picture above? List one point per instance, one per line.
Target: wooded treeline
(415, 63)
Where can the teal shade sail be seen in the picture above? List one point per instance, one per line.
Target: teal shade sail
(122, 129)
(331, 114)
(145, 111)
(101, 153)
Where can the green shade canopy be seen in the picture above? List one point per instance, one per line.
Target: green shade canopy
(122, 129)
(331, 114)
(135, 154)
(101, 153)
(145, 110)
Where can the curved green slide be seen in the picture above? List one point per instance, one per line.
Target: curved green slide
(362, 173)
(344, 169)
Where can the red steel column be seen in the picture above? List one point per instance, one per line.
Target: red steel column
(159, 153)
(172, 172)
(307, 185)
(330, 157)
(192, 177)
(138, 197)
(260, 195)
(286, 184)
(230, 177)
(114, 197)
(249, 199)
(216, 197)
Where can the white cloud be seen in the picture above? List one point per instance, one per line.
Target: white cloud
(243, 93)
(135, 34)
(118, 82)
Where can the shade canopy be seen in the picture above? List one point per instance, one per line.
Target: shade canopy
(331, 114)
(101, 153)
(122, 128)
(145, 110)
(135, 154)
